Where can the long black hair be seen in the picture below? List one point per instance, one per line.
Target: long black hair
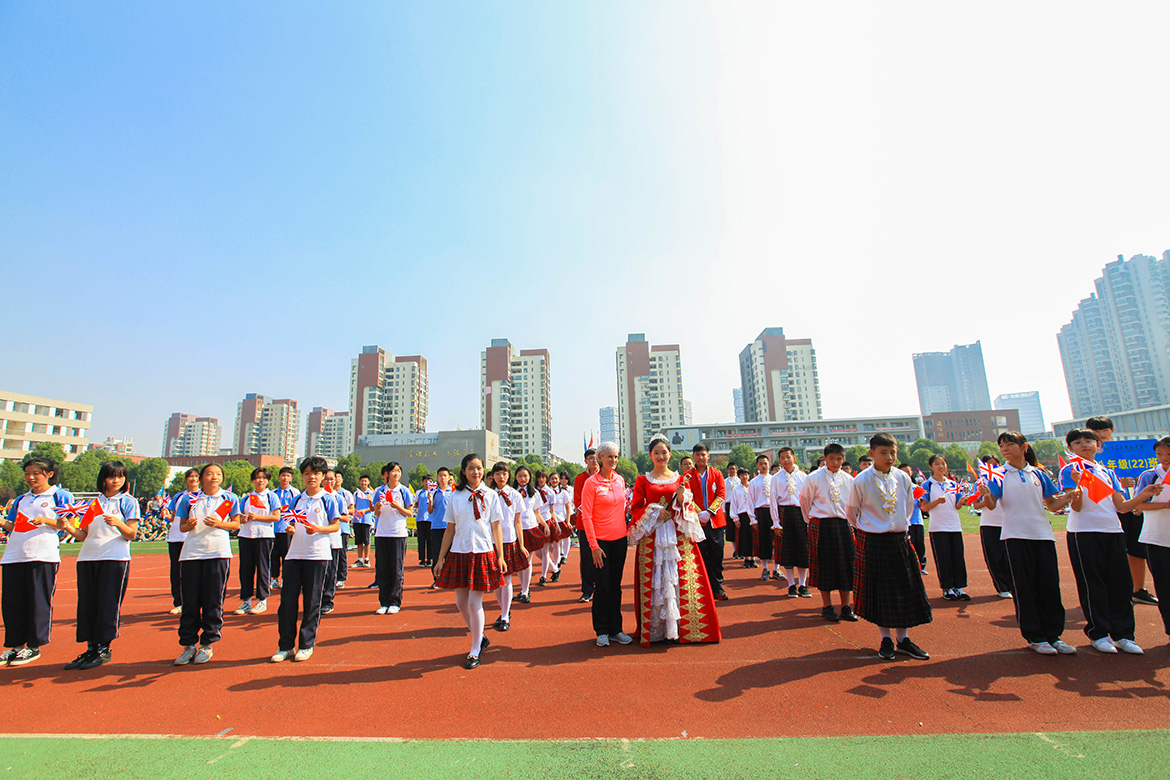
(1015, 437)
(528, 490)
(462, 483)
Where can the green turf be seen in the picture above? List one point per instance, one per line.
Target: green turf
(1066, 755)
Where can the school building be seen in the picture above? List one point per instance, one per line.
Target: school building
(28, 420)
(443, 448)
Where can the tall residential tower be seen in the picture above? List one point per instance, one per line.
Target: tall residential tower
(515, 398)
(650, 391)
(387, 394)
(779, 379)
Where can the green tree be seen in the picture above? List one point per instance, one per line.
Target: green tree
(957, 459)
(51, 450)
(744, 457)
(1048, 452)
(11, 480)
(350, 468)
(988, 448)
(148, 476)
(177, 483)
(418, 475)
(80, 475)
(572, 469)
(627, 469)
(920, 452)
(854, 453)
(643, 462)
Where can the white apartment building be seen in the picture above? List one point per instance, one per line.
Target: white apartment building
(650, 391)
(28, 420)
(266, 426)
(326, 433)
(189, 436)
(515, 399)
(387, 394)
(779, 379)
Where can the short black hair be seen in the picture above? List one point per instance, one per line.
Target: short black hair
(1081, 433)
(441, 469)
(285, 470)
(189, 472)
(590, 451)
(743, 473)
(783, 450)
(260, 471)
(936, 456)
(315, 464)
(390, 467)
(763, 458)
(833, 448)
(865, 459)
(1099, 423)
(1162, 442)
(113, 468)
(700, 447)
(882, 440)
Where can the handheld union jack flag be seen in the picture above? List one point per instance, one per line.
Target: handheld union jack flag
(72, 511)
(990, 474)
(294, 517)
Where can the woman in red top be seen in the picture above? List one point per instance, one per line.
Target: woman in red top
(672, 595)
(603, 519)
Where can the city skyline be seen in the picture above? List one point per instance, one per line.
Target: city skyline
(407, 176)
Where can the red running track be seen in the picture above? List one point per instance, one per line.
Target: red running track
(780, 671)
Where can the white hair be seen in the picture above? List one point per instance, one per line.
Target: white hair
(606, 447)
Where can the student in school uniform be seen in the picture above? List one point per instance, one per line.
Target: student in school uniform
(205, 564)
(917, 532)
(512, 535)
(730, 483)
(393, 504)
(345, 530)
(760, 495)
(333, 580)
(824, 497)
(30, 562)
(314, 518)
(567, 530)
(471, 561)
(1096, 547)
(549, 571)
(1155, 534)
(1131, 523)
(535, 529)
(103, 565)
(745, 543)
(285, 493)
(175, 537)
(437, 509)
(422, 525)
(946, 530)
(888, 590)
(557, 520)
(259, 511)
(1023, 495)
(363, 518)
(794, 552)
(990, 532)
(709, 494)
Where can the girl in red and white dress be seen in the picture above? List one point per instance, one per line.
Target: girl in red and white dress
(548, 553)
(534, 528)
(515, 556)
(471, 560)
(562, 501)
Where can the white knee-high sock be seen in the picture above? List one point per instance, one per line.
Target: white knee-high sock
(504, 597)
(526, 578)
(475, 624)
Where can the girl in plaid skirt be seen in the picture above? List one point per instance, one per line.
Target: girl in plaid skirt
(471, 560)
(515, 556)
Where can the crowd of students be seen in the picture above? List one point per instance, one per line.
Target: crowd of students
(855, 537)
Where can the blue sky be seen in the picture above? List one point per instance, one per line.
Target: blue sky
(237, 197)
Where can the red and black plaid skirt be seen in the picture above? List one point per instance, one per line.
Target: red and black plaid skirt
(566, 530)
(475, 571)
(517, 561)
(534, 539)
(830, 560)
(887, 583)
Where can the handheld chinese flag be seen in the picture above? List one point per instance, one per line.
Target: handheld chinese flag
(919, 492)
(255, 502)
(92, 512)
(21, 524)
(1166, 479)
(1060, 461)
(224, 509)
(1095, 488)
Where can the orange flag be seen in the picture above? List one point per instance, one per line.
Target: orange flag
(1095, 488)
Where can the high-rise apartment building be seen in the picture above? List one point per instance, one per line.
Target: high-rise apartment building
(607, 416)
(953, 381)
(737, 402)
(650, 391)
(1116, 349)
(267, 426)
(779, 379)
(1028, 405)
(327, 433)
(514, 398)
(387, 394)
(189, 436)
(28, 420)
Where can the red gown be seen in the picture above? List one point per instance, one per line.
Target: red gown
(672, 595)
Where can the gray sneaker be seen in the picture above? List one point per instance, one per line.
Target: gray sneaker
(602, 640)
(186, 656)
(622, 638)
(203, 655)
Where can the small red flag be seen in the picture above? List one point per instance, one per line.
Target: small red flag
(92, 512)
(224, 509)
(919, 492)
(1166, 479)
(22, 524)
(1095, 488)
(255, 501)
(1061, 462)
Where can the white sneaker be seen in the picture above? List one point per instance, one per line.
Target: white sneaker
(1103, 645)
(1129, 646)
(1064, 648)
(1043, 648)
(176, 610)
(203, 655)
(186, 656)
(622, 638)
(245, 607)
(603, 640)
(1004, 594)
(282, 655)
(303, 655)
(273, 583)
(341, 584)
(381, 610)
(261, 606)
(393, 610)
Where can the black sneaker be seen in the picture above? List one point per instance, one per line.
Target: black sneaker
(746, 563)
(541, 583)
(792, 592)
(79, 660)
(830, 614)
(775, 575)
(556, 576)
(962, 595)
(911, 649)
(1143, 597)
(98, 657)
(502, 625)
(325, 610)
(847, 613)
(585, 599)
(949, 595)
(886, 651)
(803, 591)
(524, 598)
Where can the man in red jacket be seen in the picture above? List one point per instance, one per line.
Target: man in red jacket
(709, 491)
(587, 574)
